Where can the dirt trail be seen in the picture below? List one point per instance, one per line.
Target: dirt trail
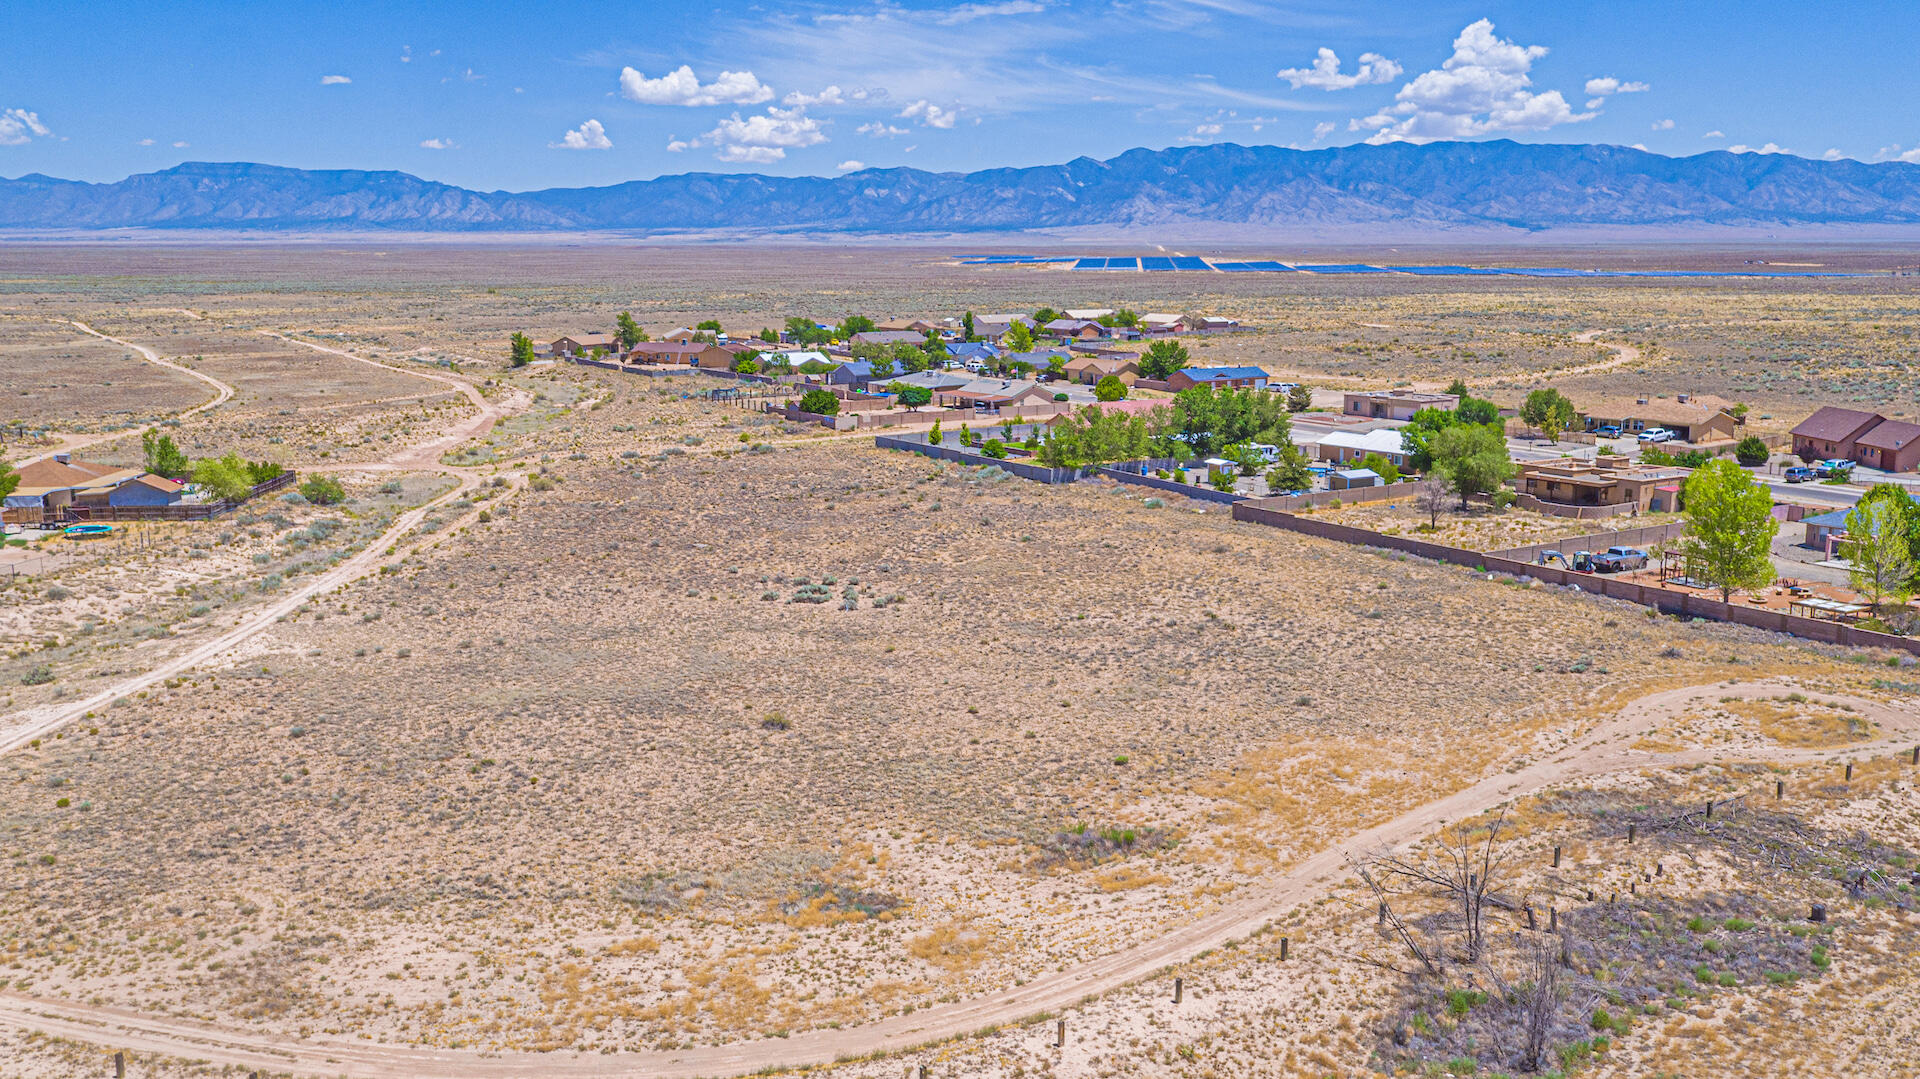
(1603, 750)
(1623, 354)
(222, 393)
(22, 727)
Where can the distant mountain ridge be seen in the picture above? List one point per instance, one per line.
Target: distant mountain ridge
(1439, 186)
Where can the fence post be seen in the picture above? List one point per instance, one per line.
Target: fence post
(1176, 990)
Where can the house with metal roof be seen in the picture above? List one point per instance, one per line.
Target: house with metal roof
(1239, 378)
(59, 481)
(1341, 446)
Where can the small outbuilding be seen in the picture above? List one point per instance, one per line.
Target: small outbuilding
(1346, 478)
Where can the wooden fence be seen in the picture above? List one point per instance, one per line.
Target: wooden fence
(61, 516)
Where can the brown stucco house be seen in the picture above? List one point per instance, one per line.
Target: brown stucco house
(1833, 432)
(1890, 445)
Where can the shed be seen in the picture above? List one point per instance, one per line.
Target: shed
(1344, 478)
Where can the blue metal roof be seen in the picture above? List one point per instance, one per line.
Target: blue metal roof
(1836, 519)
(1210, 374)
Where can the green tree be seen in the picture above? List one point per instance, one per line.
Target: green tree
(855, 324)
(1549, 413)
(323, 491)
(805, 331)
(911, 360)
(627, 331)
(521, 353)
(711, 325)
(1110, 388)
(1381, 467)
(1206, 419)
(1458, 388)
(1044, 316)
(1291, 472)
(1879, 555)
(1730, 528)
(746, 364)
(9, 479)
(164, 458)
(820, 403)
(228, 477)
(995, 449)
(1221, 480)
(1162, 359)
(933, 434)
(911, 396)
(770, 336)
(1019, 338)
(1907, 510)
(1299, 399)
(1124, 317)
(966, 435)
(966, 328)
(1417, 435)
(1472, 459)
(1089, 437)
(1475, 411)
(1752, 451)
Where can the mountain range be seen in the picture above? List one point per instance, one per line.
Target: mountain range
(1441, 186)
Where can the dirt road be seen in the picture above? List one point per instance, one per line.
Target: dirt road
(23, 727)
(222, 393)
(1623, 354)
(1603, 750)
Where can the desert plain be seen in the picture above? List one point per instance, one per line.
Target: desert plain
(535, 757)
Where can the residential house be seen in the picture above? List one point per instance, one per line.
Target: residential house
(1088, 314)
(1160, 323)
(683, 335)
(995, 327)
(888, 337)
(1833, 433)
(917, 326)
(795, 357)
(59, 481)
(581, 344)
(681, 353)
(1573, 483)
(1207, 323)
(1074, 328)
(1089, 370)
(1692, 418)
(721, 357)
(994, 394)
(852, 374)
(973, 350)
(1219, 378)
(933, 380)
(1343, 446)
(1825, 531)
(1890, 445)
(1394, 404)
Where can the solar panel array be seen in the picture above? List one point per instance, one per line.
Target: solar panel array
(1194, 263)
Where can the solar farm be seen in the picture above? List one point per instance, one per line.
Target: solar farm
(1194, 263)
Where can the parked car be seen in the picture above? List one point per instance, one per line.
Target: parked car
(1656, 434)
(1607, 430)
(1835, 467)
(1619, 559)
(1798, 474)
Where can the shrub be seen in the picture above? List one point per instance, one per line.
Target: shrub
(1751, 451)
(38, 675)
(323, 491)
(995, 449)
(820, 403)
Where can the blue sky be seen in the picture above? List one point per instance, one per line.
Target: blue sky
(573, 93)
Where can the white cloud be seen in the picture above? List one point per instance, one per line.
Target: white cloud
(406, 54)
(682, 87)
(181, 145)
(1482, 89)
(966, 13)
(1894, 153)
(1663, 125)
(1204, 131)
(830, 96)
(1716, 133)
(928, 114)
(1769, 148)
(850, 166)
(1832, 154)
(678, 146)
(588, 136)
(1911, 157)
(1325, 72)
(1607, 85)
(760, 140)
(439, 144)
(1642, 147)
(19, 127)
(1322, 129)
(144, 142)
(881, 130)
(334, 80)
